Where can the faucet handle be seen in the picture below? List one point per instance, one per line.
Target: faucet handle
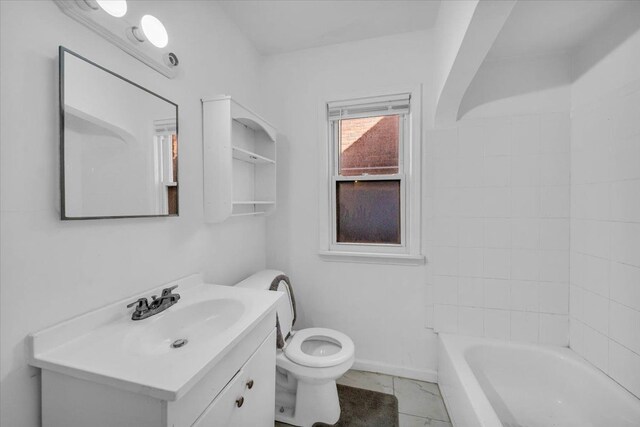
(167, 291)
(142, 304)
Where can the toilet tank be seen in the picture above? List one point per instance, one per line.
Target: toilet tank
(286, 311)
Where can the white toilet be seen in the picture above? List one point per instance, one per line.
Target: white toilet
(308, 364)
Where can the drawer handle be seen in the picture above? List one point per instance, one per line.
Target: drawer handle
(250, 384)
(240, 401)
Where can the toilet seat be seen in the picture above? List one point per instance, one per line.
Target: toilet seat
(294, 349)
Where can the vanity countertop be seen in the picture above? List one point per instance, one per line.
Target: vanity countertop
(107, 347)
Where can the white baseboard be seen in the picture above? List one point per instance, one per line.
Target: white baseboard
(429, 375)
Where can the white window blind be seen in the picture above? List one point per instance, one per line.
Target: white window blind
(367, 107)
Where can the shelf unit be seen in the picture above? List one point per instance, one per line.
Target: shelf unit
(239, 161)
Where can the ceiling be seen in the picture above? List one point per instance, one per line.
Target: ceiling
(287, 25)
(538, 27)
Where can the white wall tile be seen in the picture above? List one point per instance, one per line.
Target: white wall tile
(471, 202)
(445, 318)
(497, 263)
(626, 115)
(576, 336)
(596, 311)
(625, 284)
(555, 202)
(471, 292)
(471, 262)
(446, 289)
(624, 326)
(624, 367)
(554, 266)
(445, 142)
(554, 298)
(625, 160)
(593, 274)
(447, 202)
(625, 243)
(554, 329)
(525, 233)
(445, 261)
(554, 234)
(489, 203)
(525, 264)
(497, 202)
(525, 170)
(470, 171)
(525, 202)
(496, 293)
(471, 321)
(555, 133)
(524, 296)
(576, 302)
(445, 231)
(497, 171)
(555, 169)
(524, 326)
(497, 232)
(497, 324)
(596, 348)
(471, 141)
(499, 137)
(625, 200)
(471, 232)
(526, 135)
(446, 172)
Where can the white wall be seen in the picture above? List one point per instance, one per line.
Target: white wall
(605, 207)
(381, 307)
(499, 229)
(51, 270)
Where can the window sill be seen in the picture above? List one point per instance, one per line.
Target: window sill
(372, 258)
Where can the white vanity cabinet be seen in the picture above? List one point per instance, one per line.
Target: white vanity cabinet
(248, 399)
(223, 398)
(104, 370)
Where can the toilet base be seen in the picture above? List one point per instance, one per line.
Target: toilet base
(317, 402)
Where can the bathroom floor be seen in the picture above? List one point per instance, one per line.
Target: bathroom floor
(419, 402)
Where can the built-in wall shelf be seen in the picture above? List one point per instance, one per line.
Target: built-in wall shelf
(255, 202)
(250, 157)
(239, 161)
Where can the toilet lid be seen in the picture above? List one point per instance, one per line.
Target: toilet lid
(319, 348)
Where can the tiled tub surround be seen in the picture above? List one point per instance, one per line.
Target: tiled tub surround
(554, 386)
(499, 227)
(605, 234)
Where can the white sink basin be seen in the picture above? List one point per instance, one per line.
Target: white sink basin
(106, 346)
(194, 323)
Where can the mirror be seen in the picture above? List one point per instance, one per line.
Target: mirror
(118, 145)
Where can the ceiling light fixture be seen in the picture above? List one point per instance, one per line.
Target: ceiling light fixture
(154, 31)
(117, 8)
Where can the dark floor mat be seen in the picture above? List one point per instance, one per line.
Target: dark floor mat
(365, 408)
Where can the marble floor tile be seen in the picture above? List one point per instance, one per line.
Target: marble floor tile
(368, 381)
(420, 399)
(412, 421)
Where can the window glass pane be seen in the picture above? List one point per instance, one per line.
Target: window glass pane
(369, 145)
(368, 211)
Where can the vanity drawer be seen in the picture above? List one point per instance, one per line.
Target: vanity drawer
(248, 399)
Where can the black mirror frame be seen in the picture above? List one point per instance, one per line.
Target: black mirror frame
(61, 51)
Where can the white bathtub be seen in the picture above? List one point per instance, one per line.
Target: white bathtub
(491, 383)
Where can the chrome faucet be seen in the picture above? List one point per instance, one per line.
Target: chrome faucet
(145, 309)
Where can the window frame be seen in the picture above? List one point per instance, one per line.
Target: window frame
(408, 251)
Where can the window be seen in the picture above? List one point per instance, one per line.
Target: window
(371, 187)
